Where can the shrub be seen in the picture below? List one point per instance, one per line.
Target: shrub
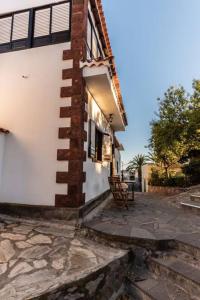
(192, 171)
(176, 181)
(158, 179)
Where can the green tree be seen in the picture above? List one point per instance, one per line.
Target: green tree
(136, 164)
(168, 130)
(193, 114)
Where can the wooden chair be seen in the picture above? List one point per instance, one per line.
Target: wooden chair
(120, 194)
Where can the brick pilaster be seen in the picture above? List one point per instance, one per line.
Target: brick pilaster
(75, 155)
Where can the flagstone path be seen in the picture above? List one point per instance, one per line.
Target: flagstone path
(166, 244)
(36, 258)
(149, 218)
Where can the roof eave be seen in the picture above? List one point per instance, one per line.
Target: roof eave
(98, 12)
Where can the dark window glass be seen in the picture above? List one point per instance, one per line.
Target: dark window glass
(99, 145)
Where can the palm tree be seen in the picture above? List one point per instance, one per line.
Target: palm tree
(136, 164)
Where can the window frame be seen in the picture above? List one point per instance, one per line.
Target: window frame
(93, 32)
(98, 145)
(30, 41)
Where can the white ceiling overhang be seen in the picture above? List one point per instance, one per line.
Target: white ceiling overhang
(100, 85)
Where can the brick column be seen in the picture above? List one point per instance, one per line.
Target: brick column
(75, 155)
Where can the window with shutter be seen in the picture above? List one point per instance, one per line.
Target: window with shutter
(107, 148)
(92, 139)
(95, 46)
(5, 30)
(60, 17)
(42, 22)
(35, 27)
(20, 26)
(100, 144)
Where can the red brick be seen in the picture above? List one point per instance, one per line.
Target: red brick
(66, 91)
(71, 154)
(71, 202)
(70, 178)
(70, 111)
(77, 135)
(67, 54)
(67, 74)
(70, 133)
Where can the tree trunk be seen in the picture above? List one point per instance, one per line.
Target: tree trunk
(140, 178)
(166, 171)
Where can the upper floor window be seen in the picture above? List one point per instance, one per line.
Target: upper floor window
(94, 49)
(99, 144)
(35, 27)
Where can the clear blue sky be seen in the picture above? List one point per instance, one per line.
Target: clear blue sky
(156, 44)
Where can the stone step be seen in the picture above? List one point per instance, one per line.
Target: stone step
(156, 289)
(195, 198)
(192, 206)
(189, 243)
(182, 256)
(180, 272)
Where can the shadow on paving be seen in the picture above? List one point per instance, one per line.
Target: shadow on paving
(149, 218)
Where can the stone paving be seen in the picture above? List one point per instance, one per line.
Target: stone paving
(154, 222)
(43, 260)
(37, 258)
(182, 197)
(149, 217)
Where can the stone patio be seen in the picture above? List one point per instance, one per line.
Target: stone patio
(165, 241)
(150, 218)
(40, 259)
(60, 261)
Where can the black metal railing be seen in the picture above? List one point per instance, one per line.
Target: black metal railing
(35, 27)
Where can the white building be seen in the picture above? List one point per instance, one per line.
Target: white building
(60, 100)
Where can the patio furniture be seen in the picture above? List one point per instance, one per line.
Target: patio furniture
(119, 190)
(131, 188)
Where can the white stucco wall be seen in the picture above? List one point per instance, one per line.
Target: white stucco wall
(96, 173)
(146, 174)
(30, 82)
(2, 145)
(117, 160)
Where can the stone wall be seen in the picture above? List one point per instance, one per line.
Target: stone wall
(104, 284)
(165, 190)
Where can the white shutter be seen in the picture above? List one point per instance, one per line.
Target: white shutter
(42, 22)
(20, 26)
(107, 148)
(5, 30)
(94, 46)
(92, 139)
(60, 17)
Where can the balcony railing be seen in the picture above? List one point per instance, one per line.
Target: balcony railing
(40, 26)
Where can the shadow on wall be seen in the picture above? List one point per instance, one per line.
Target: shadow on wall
(17, 171)
(2, 146)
